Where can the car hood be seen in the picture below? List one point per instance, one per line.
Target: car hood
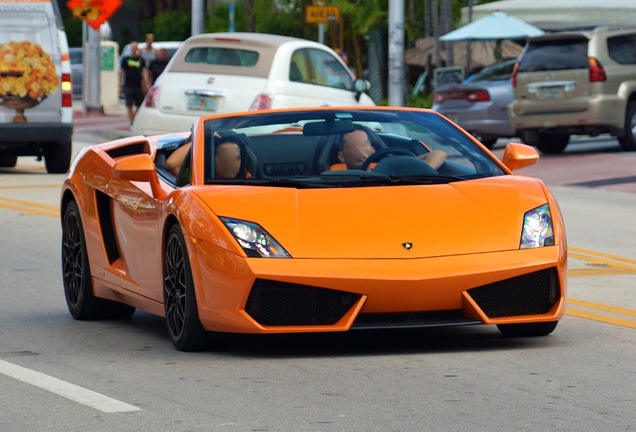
(477, 216)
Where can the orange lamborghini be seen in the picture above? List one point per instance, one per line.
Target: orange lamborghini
(429, 228)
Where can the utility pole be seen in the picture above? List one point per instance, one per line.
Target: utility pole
(92, 79)
(396, 53)
(198, 17)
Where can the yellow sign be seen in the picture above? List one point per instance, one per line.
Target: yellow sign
(322, 14)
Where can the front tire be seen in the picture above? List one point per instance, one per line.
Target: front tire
(552, 143)
(182, 315)
(527, 330)
(76, 274)
(628, 140)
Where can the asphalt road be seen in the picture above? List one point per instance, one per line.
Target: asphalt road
(58, 374)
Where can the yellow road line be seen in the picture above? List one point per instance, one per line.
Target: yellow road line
(58, 186)
(602, 307)
(600, 317)
(29, 207)
(597, 254)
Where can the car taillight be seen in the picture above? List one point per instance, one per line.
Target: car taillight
(513, 77)
(152, 97)
(261, 102)
(67, 94)
(597, 73)
(469, 95)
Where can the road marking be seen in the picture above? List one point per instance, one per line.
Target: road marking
(600, 317)
(600, 264)
(29, 207)
(65, 389)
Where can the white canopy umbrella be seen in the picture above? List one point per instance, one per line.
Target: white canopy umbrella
(496, 26)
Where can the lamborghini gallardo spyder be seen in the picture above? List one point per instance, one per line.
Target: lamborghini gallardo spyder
(299, 242)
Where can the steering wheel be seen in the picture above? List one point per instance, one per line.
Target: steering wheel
(383, 153)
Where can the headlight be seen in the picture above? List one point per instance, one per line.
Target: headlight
(254, 240)
(537, 228)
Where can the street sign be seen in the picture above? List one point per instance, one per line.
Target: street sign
(95, 12)
(322, 14)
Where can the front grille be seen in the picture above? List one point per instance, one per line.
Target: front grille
(531, 294)
(274, 303)
(411, 320)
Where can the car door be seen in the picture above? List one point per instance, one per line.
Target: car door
(316, 78)
(135, 219)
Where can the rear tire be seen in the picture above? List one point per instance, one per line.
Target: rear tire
(8, 161)
(57, 157)
(628, 141)
(552, 143)
(76, 274)
(527, 330)
(180, 303)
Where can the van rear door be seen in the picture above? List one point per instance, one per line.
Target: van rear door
(30, 62)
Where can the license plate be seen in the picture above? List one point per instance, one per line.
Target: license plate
(552, 93)
(202, 103)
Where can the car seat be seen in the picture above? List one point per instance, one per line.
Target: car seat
(328, 155)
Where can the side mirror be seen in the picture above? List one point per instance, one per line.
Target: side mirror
(517, 156)
(360, 86)
(139, 168)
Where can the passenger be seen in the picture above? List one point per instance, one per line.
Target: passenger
(356, 147)
(228, 163)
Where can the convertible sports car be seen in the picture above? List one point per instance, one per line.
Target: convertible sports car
(300, 243)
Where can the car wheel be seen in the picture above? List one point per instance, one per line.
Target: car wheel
(8, 161)
(628, 141)
(57, 157)
(76, 274)
(552, 143)
(488, 142)
(527, 330)
(182, 315)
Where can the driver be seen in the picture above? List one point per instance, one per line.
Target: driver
(356, 147)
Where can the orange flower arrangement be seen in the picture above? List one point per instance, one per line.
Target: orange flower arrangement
(26, 71)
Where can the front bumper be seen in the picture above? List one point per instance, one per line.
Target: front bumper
(289, 296)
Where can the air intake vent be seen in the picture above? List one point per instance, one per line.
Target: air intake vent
(129, 150)
(273, 303)
(531, 294)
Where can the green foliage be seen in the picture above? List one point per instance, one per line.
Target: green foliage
(172, 25)
(420, 100)
(73, 28)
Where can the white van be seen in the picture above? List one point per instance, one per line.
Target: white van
(36, 101)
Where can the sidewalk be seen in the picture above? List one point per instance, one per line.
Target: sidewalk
(99, 127)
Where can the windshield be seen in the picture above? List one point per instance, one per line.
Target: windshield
(342, 148)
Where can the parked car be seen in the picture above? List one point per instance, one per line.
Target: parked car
(233, 72)
(480, 103)
(36, 102)
(576, 83)
(77, 71)
(267, 250)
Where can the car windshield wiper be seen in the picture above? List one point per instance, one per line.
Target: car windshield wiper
(422, 179)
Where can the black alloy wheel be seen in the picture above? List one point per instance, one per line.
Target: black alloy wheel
(76, 274)
(182, 315)
(628, 140)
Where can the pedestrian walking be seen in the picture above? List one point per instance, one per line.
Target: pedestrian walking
(131, 80)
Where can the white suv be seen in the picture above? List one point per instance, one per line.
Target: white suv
(231, 72)
(576, 83)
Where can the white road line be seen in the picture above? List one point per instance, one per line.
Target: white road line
(65, 389)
